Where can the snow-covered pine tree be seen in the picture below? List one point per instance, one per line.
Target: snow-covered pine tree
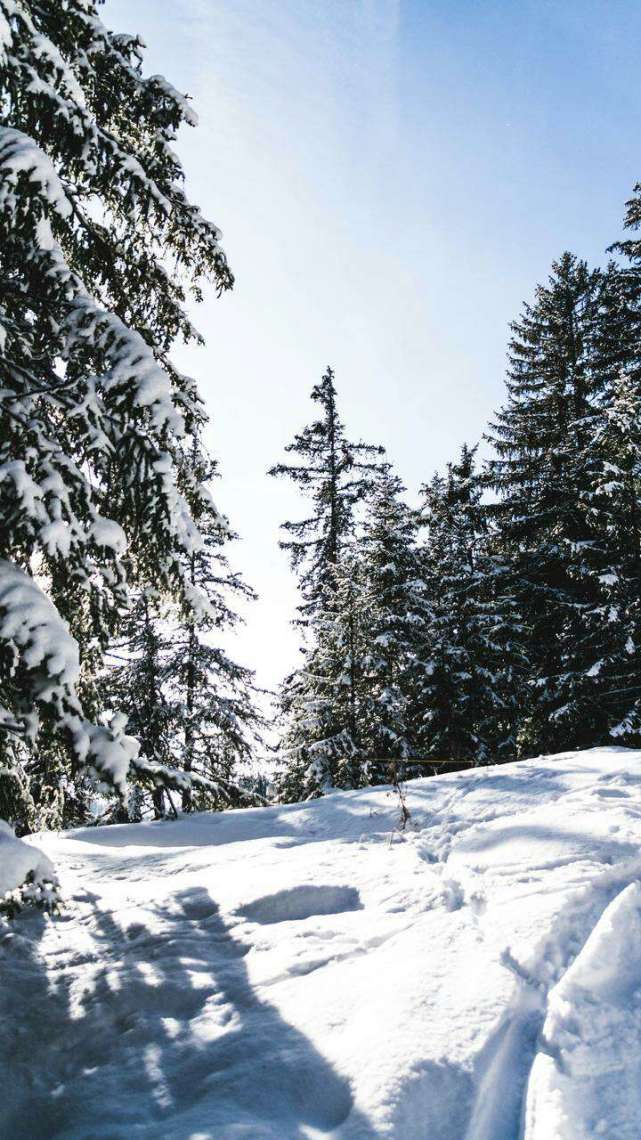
(395, 611)
(472, 651)
(99, 250)
(630, 247)
(335, 475)
(543, 470)
(139, 686)
(612, 504)
(218, 719)
(319, 704)
(614, 621)
(319, 748)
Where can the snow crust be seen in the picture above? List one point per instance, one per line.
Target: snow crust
(309, 971)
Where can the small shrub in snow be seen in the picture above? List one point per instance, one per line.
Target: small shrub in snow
(44, 894)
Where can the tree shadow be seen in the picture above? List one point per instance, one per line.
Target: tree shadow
(30, 1019)
(169, 1038)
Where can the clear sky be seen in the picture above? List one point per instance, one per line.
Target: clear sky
(392, 178)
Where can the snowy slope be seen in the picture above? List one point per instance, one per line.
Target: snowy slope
(306, 971)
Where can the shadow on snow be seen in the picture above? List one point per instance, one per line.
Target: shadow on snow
(168, 1038)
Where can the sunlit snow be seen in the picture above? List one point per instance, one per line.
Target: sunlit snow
(309, 970)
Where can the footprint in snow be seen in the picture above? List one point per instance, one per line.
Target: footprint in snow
(301, 902)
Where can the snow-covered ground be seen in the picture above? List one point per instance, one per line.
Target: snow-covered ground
(308, 971)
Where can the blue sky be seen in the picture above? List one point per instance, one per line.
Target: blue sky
(392, 178)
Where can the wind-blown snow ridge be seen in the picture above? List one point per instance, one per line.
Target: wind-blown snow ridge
(309, 971)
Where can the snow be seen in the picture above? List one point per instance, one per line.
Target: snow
(109, 749)
(161, 84)
(35, 634)
(19, 154)
(305, 971)
(593, 1024)
(30, 622)
(106, 532)
(18, 859)
(56, 537)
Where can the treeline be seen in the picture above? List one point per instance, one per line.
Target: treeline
(502, 617)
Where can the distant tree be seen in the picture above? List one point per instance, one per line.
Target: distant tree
(320, 745)
(396, 616)
(465, 695)
(187, 702)
(140, 686)
(319, 703)
(335, 474)
(218, 718)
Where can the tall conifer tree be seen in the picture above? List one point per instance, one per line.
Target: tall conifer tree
(138, 686)
(612, 504)
(319, 745)
(396, 617)
(465, 697)
(99, 250)
(218, 722)
(543, 469)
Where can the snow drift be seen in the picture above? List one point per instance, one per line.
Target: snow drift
(310, 971)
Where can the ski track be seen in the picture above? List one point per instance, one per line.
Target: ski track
(310, 972)
(504, 1070)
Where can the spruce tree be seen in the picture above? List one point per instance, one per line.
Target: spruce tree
(186, 700)
(614, 622)
(543, 471)
(335, 475)
(99, 251)
(139, 685)
(472, 652)
(611, 502)
(396, 617)
(320, 746)
(319, 704)
(219, 722)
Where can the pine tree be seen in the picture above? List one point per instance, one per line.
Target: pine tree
(335, 474)
(140, 688)
(542, 473)
(395, 612)
(219, 722)
(617, 499)
(473, 648)
(320, 747)
(614, 623)
(319, 704)
(612, 505)
(99, 251)
(186, 700)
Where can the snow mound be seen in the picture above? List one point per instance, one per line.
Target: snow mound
(18, 860)
(585, 1077)
(313, 971)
